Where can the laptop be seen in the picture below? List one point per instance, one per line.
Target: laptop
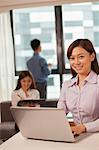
(43, 123)
(40, 102)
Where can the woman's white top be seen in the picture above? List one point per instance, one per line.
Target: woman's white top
(18, 95)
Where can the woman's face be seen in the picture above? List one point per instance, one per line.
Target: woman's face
(26, 83)
(80, 61)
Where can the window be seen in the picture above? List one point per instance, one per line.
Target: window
(34, 23)
(80, 20)
(38, 23)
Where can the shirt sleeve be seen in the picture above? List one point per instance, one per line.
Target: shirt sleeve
(34, 94)
(44, 67)
(15, 98)
(62, 99)
(37, 94)
(92, 126)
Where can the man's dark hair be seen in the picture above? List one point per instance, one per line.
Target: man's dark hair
(35, 44)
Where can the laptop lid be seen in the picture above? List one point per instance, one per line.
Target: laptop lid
(40, 102)
(43, 123)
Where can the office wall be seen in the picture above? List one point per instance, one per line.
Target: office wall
(12, 4)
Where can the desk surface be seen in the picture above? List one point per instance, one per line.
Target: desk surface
(18, 142)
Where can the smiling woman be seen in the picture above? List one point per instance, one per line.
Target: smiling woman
(83, 105)
(79, 20)
(80, 62)
(25, 88)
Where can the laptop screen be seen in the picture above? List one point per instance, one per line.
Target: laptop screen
(40, 102)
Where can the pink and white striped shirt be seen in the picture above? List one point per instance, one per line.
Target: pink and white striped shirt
(82, 102)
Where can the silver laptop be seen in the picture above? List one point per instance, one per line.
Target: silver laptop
(43, 123)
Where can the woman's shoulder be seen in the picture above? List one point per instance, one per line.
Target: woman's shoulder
(98, 79)
(15, 92)
(95, 78)
(69, 82)
(98, 76)
(34, 90)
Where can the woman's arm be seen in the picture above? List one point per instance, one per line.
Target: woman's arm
(92, 126)
(37, 94)
(86, 127)
(15, 98)
(62, 99)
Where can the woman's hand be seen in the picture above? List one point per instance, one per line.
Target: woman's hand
(71, 123)
(78, 129)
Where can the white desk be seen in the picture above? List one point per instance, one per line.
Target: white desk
(18, 142)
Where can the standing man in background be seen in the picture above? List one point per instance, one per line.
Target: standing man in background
(38, 66)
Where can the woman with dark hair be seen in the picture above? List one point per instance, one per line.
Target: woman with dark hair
(80, 95)
(88, 46)
(25, 88)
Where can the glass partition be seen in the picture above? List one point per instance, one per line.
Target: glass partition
(31, 23)
(80, 20)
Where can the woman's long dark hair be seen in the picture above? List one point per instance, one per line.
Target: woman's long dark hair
(22, 75)
(88, 46)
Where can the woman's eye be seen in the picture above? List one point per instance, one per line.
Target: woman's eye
(81, 56)
(71, 58)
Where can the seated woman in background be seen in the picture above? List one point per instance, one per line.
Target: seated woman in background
(25, 88)
(80, 95)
